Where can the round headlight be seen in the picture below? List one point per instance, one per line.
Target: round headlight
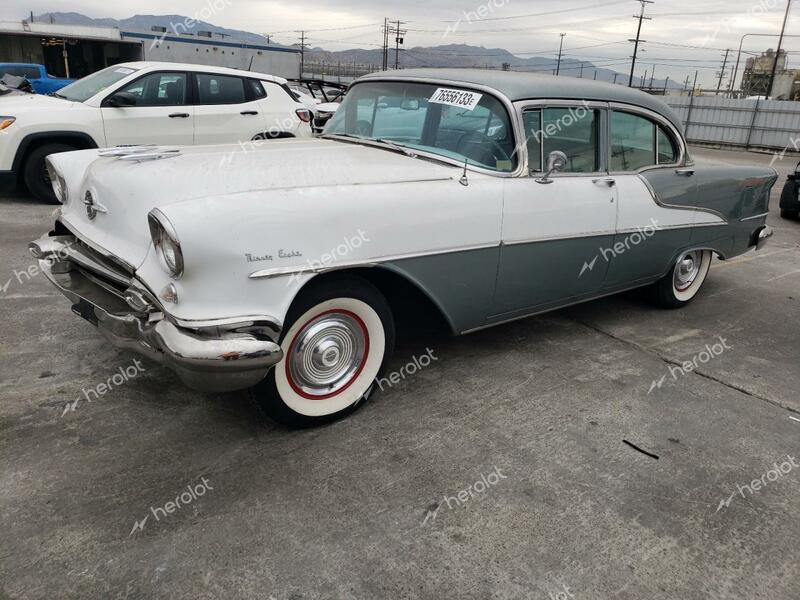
(166, 243)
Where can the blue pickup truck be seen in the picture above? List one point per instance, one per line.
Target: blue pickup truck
(37, 75)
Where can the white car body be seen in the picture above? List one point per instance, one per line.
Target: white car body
(195, 120)
(467, 216)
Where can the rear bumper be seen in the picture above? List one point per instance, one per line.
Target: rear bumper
(212, 356)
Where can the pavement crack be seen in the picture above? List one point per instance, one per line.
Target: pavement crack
(672, 361)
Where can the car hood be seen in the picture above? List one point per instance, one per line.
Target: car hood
(16, 104)
(128, 190)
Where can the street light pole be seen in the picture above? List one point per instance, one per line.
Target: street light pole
(778, 51)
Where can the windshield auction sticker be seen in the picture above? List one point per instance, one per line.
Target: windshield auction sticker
(460, 98)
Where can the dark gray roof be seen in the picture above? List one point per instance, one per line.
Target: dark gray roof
(528, 86)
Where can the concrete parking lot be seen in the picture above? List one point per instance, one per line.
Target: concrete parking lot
(505, 468)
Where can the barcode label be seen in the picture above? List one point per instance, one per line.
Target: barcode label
(460, 98)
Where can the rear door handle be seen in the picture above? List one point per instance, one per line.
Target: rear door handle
(179, 116)
(684, 172)
(605, 180)
(249, 112)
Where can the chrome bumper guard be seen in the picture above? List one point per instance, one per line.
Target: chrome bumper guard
(215, 356)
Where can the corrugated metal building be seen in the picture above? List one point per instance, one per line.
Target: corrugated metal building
(76, 51)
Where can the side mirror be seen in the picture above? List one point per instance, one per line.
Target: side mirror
(556, 161)
(121, 99)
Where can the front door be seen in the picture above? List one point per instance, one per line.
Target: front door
(556, 235)
(163, 113)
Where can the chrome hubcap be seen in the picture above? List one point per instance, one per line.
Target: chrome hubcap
(327, 354)
(687, 269)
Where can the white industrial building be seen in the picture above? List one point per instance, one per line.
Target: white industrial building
(76, 51)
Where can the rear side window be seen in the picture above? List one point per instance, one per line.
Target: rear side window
(638, 142)
(255, 91)
(219, 89)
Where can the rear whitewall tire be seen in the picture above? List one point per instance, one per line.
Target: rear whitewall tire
(684, 280)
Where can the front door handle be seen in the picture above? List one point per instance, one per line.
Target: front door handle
(610, 182)
(179, 116)
(684, 172)
(249, 112)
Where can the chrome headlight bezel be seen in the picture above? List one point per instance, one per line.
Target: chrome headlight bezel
(57, 181)
(166, 243)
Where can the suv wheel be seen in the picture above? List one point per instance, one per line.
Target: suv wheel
(35, 174)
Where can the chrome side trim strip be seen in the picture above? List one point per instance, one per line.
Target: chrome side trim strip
(766, 214)
(367, 262)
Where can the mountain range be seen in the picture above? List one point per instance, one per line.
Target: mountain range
(448, 55)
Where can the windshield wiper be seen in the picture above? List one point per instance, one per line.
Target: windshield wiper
(397, 147)
(391, 145)
(57, 95)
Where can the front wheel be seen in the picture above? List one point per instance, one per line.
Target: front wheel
(338, 339)
(789, 214)
(678, 287)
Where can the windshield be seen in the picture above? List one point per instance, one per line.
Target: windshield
(457, 123)
(85, 88)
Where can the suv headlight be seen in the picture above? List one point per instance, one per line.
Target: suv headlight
(166, 243)
(57, 181)
(6, 122)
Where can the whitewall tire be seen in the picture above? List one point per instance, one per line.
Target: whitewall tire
(340, 335)
(678, 287)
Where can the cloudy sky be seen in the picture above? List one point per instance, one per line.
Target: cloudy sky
(683, 36)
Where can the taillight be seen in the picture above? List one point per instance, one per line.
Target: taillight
(304, 114)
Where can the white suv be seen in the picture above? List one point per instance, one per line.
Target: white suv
(142, 103)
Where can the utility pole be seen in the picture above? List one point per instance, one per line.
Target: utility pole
(398, 39)
(302, 52)
(615, 78)
(385, 61)
(722, 73)
(581, 75)
(652, 75)
(778, 51)
(638, 39)
(560, 47)
(644, 78)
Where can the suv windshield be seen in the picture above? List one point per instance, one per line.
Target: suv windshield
(85, 88)
(456, 123)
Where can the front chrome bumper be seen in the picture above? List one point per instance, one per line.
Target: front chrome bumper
(212, 356)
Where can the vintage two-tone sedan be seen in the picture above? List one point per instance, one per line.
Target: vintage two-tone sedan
(480, 196)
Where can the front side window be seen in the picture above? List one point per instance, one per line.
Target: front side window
(93, 84)
(638, 142)
(219, 89)
(457, 123)
(572, 130)
(158, 89)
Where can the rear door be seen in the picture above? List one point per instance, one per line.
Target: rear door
(227, 109)
(657, 197)
(163, 113)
